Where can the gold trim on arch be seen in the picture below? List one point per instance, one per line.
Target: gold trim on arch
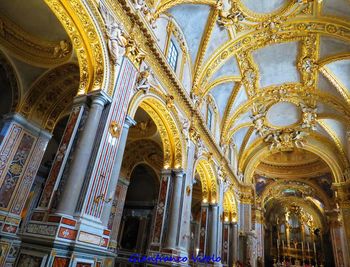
(325, 150)
(168, 126)
(207, 174)
(85, 40)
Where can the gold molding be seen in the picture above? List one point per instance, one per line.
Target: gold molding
(86, 41)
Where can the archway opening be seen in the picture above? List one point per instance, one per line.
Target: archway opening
(196, 207)
(140, 202)
(294, 189)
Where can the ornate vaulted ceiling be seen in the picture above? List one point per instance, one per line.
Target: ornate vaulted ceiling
(277, 69)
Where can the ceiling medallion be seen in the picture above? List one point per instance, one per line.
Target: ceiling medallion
(287, 131)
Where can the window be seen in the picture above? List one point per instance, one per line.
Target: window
(209, 118)
(172, 55)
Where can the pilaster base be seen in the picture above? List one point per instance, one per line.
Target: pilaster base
(62, 240)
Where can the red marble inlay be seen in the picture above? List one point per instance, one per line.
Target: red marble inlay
(160, 211)
(202, 232)
(67, 233)
(55, 219)
(69, 222)
(106, 232)
(9, 228)
(60, 262)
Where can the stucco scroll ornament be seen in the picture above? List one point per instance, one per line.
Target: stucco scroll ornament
(142, 82)
(309, 116)
(117, 39)
(229, 15)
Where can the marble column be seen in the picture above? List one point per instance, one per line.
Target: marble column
(104, 156)
(22, 146)
(247, 239)
(342, 196)
(116, 213)
(185, 215)
(259, 229)
(161, 211)
(81, 158)
(174, 211)
(226, 243)
(203, 232)
(51, 191)
(234, 247)
(338, 236)
(215, 232)
(116, 170)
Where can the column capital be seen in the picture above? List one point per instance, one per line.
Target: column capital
(79, 100)
(165, 172)
(334, 217)
(342, 192)
(178, 172)
(28, 125)
(129, 122)
(100, 98)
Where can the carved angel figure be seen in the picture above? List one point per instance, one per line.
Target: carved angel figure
(185, 127)
(116, 36)
(143, 81)
(298, 139)
(62, 49)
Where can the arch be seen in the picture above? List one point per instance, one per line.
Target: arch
(12, 77)
(50, 95)
(140, 151)
(83, 24)
(230, 207)
(208, 179)
(337, 165)
(168, 125)
(273, 188)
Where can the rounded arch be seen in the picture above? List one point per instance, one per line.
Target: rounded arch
(139, 151)
(208, 179)
(168, 125)
(230, 207)
(271, 191)
(11, 85)
(50, 95)
(83, 25)
(251, 160)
